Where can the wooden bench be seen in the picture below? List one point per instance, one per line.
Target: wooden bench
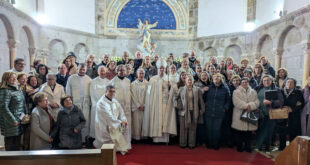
(104, 156)
(297, 153)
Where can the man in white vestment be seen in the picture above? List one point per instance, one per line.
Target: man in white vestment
(78, 87)
(110, 122)
(123, 96)
(138, 92)
(97, 90)
(156, 105)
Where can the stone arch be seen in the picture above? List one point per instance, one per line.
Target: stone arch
(283, 36)
(25, 48)
(233, 51)
(264, 47)
(290, 52)
(29, 36)
(81, 51)
(7, 40)
(207, 53)
(8, 27)
(57, 49)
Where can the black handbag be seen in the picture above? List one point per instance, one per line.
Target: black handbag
(250, 117)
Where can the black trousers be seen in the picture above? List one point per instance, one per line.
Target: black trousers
(243, 137)
(213, 125)
(226, 130)
(12, 143)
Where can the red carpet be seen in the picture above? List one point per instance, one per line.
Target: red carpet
(144, 154)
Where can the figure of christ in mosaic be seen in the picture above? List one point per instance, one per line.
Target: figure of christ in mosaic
(146, 45)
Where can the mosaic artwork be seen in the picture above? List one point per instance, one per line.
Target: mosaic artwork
(151, 10)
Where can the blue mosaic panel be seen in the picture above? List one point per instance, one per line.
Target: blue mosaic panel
(151, 10)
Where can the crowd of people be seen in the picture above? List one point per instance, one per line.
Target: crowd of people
(149, 99)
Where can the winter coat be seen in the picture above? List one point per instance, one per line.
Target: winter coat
(149, 72)
(67, 121)
(217, 101)
(253, 83)
(296, 102)
(305, 128)
(41, 128)
(274, 103)
(12, 106)
(242, 98)
(53, 96)
(269, 70)
(200, 84)
(182, 99)
(62, 80)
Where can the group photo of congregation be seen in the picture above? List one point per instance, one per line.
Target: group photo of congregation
(154, 78)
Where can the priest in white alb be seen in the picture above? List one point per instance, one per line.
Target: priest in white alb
(97, 90)
(123, 96)
(156, 106)
(78, 87)
(138, 92)
(110, 122)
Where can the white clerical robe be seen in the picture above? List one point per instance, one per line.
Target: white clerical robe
(109, 115)
(123, 96)
(97, 90)
(156, 102)
(138, 92)
(173, 78)
(78, 87)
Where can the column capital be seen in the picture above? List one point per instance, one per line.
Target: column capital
(32, 51)
(257, 54)
(11, 43)
(42, 52)
(278, 51)
(305, 45)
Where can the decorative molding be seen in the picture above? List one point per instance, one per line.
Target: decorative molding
(32, 51)
(12, 43)
(67, 30)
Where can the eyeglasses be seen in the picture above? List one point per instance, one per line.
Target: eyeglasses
(50, 79)
(23, 64)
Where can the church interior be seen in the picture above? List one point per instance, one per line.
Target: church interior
(47, 30)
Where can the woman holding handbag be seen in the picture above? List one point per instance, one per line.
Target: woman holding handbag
(294, 99)
(244, 99)
(267, 125)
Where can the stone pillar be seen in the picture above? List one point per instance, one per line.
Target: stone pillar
(278, 56)
(306, 72)
(32, 52)
(12, 49)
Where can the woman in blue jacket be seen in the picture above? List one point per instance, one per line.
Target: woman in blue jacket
(217, 101)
